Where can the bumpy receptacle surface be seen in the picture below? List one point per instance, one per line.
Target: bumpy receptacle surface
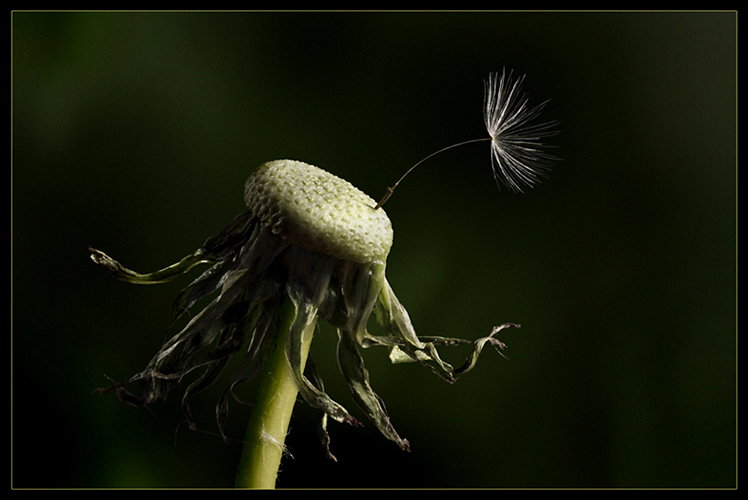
(316, 210)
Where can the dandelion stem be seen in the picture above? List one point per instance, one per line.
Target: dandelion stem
(271, 414)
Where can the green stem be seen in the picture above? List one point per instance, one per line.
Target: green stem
(271, 414)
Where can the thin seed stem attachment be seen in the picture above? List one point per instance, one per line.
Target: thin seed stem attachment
(391, 189)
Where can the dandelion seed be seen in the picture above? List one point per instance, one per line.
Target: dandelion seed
(517, 156)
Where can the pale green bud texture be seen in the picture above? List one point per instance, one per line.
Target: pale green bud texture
(316, 210)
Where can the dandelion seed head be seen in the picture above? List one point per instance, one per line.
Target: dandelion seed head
(310, 244)
(313, 244)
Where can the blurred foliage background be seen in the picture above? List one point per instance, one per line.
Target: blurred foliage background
(134, 133)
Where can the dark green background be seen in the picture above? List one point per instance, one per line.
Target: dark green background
(135, 132)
